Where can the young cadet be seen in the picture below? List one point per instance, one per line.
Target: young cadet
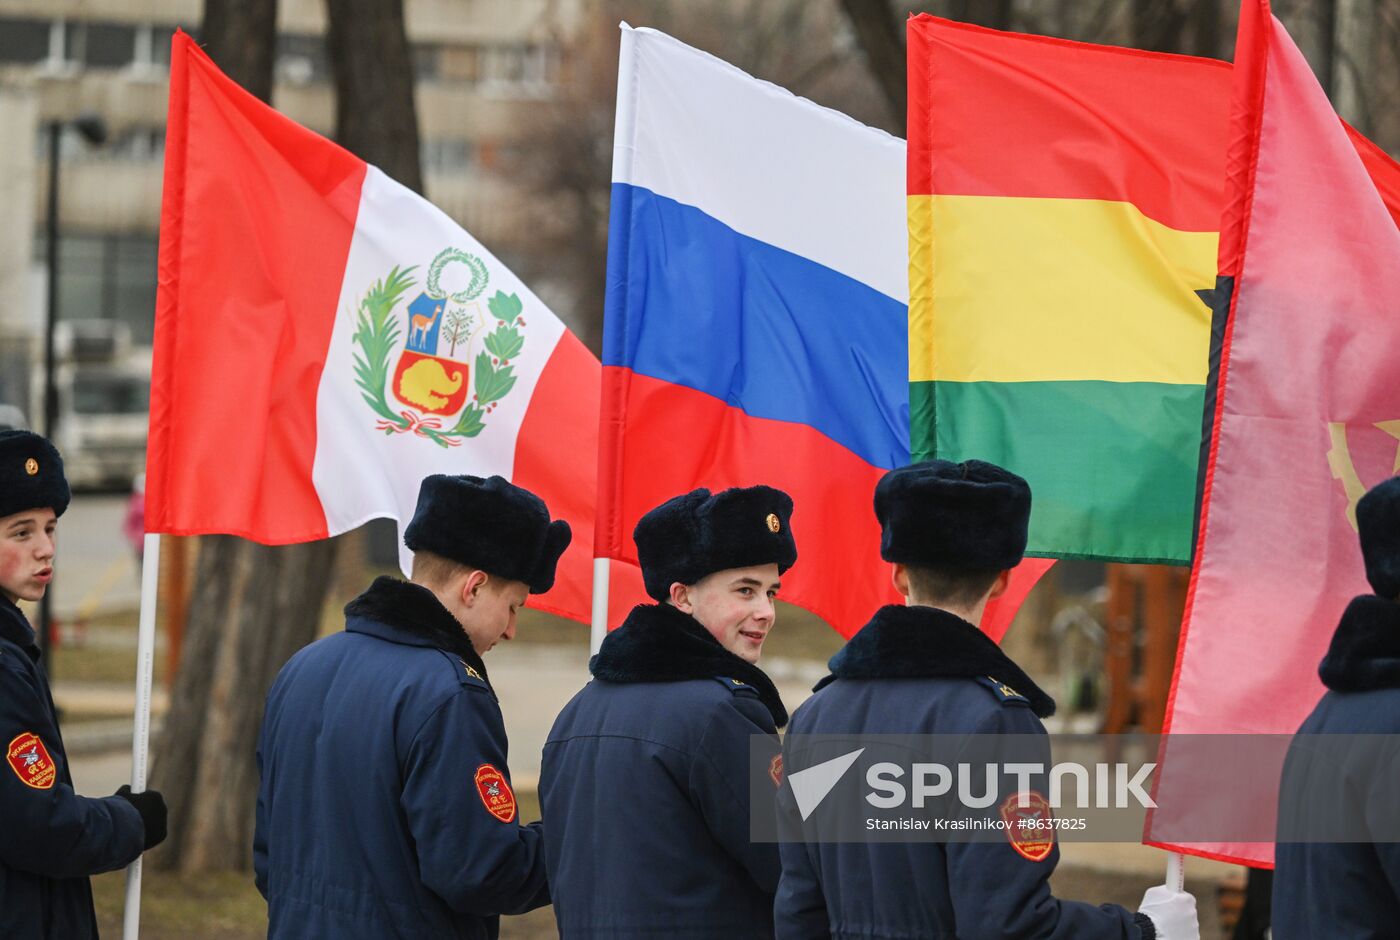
(1349, 890)
(953, 531)
(51, 839)
(645, 779)
(385, 807)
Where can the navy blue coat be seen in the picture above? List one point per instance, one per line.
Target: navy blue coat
(918, 670)
(385, 807)
(645, 788)
(51, 839)
(1347, 890)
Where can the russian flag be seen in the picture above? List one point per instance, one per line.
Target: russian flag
(325, 338)
(756, 320)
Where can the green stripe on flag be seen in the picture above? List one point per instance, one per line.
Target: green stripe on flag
(1112, 465)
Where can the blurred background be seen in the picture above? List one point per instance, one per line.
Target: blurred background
(501, 113)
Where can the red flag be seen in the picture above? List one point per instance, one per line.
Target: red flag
(326, 338)
(1307, 414)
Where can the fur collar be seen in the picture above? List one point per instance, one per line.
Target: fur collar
(928, 643)
(658, 643)
(1365, 650)
(415, 612)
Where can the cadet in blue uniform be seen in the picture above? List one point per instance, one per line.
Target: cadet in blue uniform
(953, 532)
(385, 808)
(645, 780)
(51, 839)
(1350, 890)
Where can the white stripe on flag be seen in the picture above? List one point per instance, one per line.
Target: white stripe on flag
(803, 178)
(362, 472)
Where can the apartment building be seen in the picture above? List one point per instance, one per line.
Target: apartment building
(479, 64)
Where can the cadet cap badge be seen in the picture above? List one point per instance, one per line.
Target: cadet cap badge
(774, 525)
(31, 467)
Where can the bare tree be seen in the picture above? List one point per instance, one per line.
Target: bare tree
(880, 35)
(255, 605)
(566, 144)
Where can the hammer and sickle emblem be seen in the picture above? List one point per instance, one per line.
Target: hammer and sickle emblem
(1339, 459)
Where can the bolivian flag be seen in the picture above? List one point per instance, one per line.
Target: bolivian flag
(1064, 207)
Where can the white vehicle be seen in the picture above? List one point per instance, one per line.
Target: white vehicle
(104, 392)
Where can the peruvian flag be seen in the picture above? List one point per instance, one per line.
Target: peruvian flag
(1307, 418)
(325, 338)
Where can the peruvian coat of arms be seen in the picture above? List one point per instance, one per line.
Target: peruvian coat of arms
(436, 379)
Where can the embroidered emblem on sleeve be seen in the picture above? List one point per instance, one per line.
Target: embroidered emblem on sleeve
(495, 793)
(30, 761)
(1029, 828)
(775, 770)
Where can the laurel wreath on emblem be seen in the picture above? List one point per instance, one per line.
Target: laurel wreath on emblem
(377, 335)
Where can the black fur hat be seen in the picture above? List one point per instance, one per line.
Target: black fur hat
(964, 516)
(1378, 519)
(31, 474)
(492, 525)
(697, 533)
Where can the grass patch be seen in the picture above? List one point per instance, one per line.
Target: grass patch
(214, 906)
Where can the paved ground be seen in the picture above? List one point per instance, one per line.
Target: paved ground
(534, 683)
(96, 568)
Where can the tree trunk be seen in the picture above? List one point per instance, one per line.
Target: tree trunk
(254, 605)
(241, 37)
(375, 117)
(880, 36)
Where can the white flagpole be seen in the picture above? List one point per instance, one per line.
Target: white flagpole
(1176, 871)
(602, 567)
(141, 736)
(623, 132)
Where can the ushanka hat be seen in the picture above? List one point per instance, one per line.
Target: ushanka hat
(491, 525)
(698, 533)
(1378, 521)
(962, 516)
(31, 474)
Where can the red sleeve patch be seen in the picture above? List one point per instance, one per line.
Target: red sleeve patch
(775, 770)
(495, 793)
(1030, 828)
(30, 761)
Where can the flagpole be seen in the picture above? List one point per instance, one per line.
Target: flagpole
(141, 735)
(601, 570)
(1176, 871)
(623, 133)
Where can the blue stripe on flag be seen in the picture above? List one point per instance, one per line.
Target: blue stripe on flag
(692, 302)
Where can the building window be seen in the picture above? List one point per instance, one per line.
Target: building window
(302, 59)
(24, 41)
(106, 277)
(447, 153)
(108, 45)
(459, 65)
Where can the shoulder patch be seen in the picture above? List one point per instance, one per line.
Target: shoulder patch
(1003, 692)
(30, 761)
(495, 793)
(1031, 828)
(735, 685)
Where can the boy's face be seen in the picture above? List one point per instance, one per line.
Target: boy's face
(27, 544)
(735, 605)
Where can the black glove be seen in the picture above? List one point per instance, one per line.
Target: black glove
(151, 805)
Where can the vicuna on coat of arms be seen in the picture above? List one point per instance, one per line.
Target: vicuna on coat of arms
(435, 375)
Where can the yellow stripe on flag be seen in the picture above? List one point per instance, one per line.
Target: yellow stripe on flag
(1006, 289)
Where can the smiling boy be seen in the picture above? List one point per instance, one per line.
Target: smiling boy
(661, 736)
